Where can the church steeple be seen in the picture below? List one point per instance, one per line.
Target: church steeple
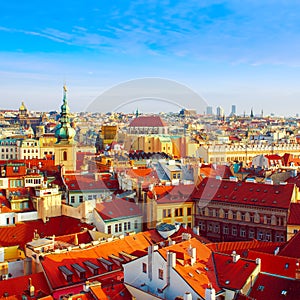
(64, 132)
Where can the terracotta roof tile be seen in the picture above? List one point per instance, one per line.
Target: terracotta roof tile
(292, 248)
(147, 121)
(22, 233)
(51, 262)
(242, 246)
(246, 193)
(18, 285)
(87, 183)
(233, 275)
(202, 271)
(275, 264)
(117, 208)
(275, 288)
(294, 215)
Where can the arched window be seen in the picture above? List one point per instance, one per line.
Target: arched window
(65, 155)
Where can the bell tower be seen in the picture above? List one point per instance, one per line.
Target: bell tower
(65, 145)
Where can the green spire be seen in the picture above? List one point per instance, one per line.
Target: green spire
(64, 131)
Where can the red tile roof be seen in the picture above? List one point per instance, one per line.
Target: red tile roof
(51, 262)
(199, 281)
(81, 237)
(117, 208)
(18, 285)
(172, 194)
(148, 121)
(294, 215)
(245, 193)
(292, 248)
(233, 275)
(22, 233)
(275, 288)
(209, 170)
(242, 246)
(275, 264)
(88, 183)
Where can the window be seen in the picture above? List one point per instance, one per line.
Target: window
(90, 197)
(234, 215)
(120, 227)
(14, 220)
(125, 226)
(210, 227)
(225, 230)
(226, 215)
(268, 237)
(80, 198)
(144, 267)
(243, 217)
(189, 211)
(217, 228)
(251, 233)
(65, 155)
(233, 230)
(260, 236)
(242, 232)
(116, 228)
(109, 229)
(72, 199)
(167, 213)
(178, 212)
(7, 221)
(135, 224)
(128, 225)
(161, 274)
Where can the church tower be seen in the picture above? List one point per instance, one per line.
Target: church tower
(65, 145)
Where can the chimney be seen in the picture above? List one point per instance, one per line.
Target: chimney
(210, 293)
(151, 250)
(235, 257)
(30, 288)
(192, 252)
(171, 263)
(187, 296)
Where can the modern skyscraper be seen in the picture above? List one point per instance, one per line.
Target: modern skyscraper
(209, 110)
(220, 112)
(233, 109)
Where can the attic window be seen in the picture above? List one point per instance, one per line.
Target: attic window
(225, 186)
(283, 292)
(260, 288)
(131, 209)
(233, 197)
(274, 202)
(276, 192)
(90, 184)
(245, 199)
(227, 281)
(251, 189)
(72, 184)
(265, 191)
(286, 266)
(258, 190)
(110, 213)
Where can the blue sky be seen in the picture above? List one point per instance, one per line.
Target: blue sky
(234, 52)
